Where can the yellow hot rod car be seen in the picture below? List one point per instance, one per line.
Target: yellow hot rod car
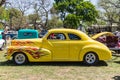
(58, 45)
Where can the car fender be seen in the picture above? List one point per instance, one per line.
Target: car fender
(33, 53)
(89, 48)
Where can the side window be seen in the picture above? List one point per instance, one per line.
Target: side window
(73, 37)
(27, 34)
(56, 36)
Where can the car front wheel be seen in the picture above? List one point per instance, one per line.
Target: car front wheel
(90, 58)
(20, 58)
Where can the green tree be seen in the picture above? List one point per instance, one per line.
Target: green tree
(55, 22)
(42, 9)
(33, 18)
(4, 16)
(15, 19)
(78, 10)
(22, 6)
(110, 12)
(71, 21)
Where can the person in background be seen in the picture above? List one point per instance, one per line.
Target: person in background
(4, 34)
(8, 41)
(52, 36)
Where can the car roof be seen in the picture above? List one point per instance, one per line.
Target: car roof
(64, 30)
(27, 30)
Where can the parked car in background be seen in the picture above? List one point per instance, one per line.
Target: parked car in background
(42, 33)
(58, 45)
(27, 34)
(111, 40)
(2, 41)
(11, 34)
(117, 33)
(22, 34)
(103, 37)
(107, 38)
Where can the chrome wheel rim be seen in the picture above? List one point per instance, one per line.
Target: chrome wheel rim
(20, 58)
(90, 58)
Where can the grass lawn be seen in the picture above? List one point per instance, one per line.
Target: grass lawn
(104, 70)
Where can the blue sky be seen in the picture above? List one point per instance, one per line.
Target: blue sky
(94, 2)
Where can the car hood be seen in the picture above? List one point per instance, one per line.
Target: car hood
(102, 33)
(27, 42)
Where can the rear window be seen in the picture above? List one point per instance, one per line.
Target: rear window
(73, 37)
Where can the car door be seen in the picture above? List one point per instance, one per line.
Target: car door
(76, 45)
(59, 46)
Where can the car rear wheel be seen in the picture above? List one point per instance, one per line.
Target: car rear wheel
(90, 58)
(20, 58)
